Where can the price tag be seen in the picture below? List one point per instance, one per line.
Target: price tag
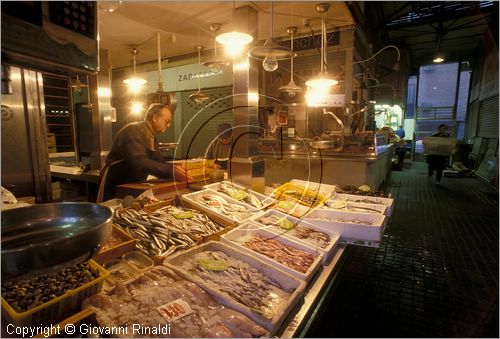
(175, 310)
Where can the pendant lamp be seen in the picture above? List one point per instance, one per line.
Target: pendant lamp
(199, 97)
(134, 83)
(291, 88)
(323, 81)
(234, 41)
(215, 63)
(271, 51)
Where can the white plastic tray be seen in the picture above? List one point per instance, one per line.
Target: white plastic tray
(247, 231)
(323, 189)
(360, 198)
(348, 230)
(327, 251)
(369, 208)
(287, 282)
(224, 219)
(266, 201)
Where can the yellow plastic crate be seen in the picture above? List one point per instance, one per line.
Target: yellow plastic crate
(299, 194)
(58, 308)
(126, 244)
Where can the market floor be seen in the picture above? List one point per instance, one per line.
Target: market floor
(435, 273)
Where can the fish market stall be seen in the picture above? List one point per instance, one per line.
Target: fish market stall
(220, 261)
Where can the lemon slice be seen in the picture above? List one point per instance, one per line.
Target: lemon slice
(287, 205)
(183, 215)
(364, 188)
(238, 195)
(286, 224)
(339, 204)
(213, 264)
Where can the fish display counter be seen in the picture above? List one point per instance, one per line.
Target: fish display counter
(266, 273)
(363, 158)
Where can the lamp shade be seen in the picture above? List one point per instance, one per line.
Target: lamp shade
(323, 80)
(291, 88)
(234, 38)
(438, 58)
(271, 48)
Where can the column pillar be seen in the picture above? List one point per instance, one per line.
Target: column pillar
(246, 166)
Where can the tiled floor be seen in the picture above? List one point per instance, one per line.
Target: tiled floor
(435, 273)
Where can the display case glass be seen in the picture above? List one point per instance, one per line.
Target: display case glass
(366, 144)
(297, 130)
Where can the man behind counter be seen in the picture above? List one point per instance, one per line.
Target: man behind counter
(135, 154)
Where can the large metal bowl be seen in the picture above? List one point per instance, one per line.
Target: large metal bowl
(47, 237)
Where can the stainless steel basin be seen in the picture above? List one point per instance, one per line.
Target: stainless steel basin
(48, 237)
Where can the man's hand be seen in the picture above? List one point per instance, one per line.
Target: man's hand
(181, 175)
(216, 166)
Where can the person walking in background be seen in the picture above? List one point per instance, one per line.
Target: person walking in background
(438, 162)
(400, 132)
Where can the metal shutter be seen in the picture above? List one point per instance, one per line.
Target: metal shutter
(196, 135)
(488, 118)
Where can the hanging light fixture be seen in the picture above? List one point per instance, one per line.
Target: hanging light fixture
(438, 58)
(318, 88)
(396, 67)
(109, 6)
(291, 88)
(134, 83)
(199, 97)
(439, 55)
(234, 41)
(215, 63)
(271, 51)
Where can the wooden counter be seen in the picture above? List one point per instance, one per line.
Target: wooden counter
(160, 188)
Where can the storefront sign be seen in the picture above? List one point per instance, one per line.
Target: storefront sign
(310, 42)
(183, 78)
(336, 100)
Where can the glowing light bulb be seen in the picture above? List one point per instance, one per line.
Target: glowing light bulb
(136, 107)
(270, 63)
(134, 84)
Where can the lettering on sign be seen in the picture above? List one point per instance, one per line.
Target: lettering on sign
(193, 76)
(310, 42)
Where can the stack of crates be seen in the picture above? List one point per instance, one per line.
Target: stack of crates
(51, 142)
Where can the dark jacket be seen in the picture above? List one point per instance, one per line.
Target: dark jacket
(133, 156)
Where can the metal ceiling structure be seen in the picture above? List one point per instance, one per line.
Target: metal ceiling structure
(457, 28)
(184, 24)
